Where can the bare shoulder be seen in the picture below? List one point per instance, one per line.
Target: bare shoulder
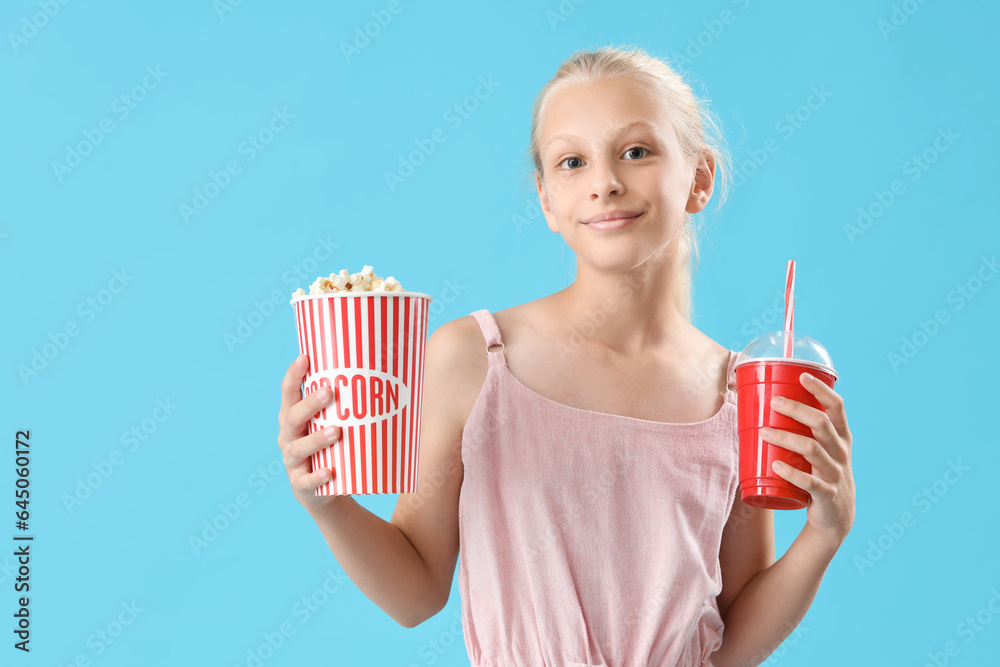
(470, 365)
(703, 342)
(461, 350)
(704, 370)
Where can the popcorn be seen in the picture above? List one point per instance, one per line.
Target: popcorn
(363, 281)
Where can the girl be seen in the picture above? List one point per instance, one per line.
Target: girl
(585, 480)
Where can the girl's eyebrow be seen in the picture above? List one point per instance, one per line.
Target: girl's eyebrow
(646, 125)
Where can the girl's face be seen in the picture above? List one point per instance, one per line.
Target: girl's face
(609, 146)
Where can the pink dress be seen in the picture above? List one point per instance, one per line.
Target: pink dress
(589, 538)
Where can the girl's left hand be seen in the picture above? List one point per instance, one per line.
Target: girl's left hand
(831, 485)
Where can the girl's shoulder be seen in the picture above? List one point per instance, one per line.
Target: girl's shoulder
(465, 342)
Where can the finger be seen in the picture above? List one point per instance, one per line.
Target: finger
(300, 413)
(817, 420)
(802, 479)
(291, 385)
(832, 402)
(310, 480)
(301, 449)
(812, 451)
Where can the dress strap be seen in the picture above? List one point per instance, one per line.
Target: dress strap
(731, 371)
(491, 332)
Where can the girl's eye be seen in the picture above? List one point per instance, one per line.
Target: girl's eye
(645, 152)
(568, 159)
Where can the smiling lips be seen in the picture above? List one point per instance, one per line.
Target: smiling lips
(613, 219)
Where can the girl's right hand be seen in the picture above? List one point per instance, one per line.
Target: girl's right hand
(295, 441)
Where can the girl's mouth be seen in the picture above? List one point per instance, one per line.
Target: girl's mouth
(610, 225)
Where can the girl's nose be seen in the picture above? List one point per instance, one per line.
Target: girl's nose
(604, 179)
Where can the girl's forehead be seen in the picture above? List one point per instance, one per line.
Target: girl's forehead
(601, 110)
(613, 92)
(614, 102)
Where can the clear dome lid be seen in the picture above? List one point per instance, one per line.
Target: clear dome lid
(771, 345)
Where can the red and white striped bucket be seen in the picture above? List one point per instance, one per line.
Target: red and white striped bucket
(369, 348)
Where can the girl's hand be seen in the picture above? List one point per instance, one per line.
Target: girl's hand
(831, 484)
(297, 444)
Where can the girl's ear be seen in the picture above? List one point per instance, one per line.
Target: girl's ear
(704, 181)
(543, 197)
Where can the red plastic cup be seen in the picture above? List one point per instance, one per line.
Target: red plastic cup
(369, 348)
(758, 380)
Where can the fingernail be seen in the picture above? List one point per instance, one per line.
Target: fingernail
(777, 465)
(767, 431)
(777, 400)
(807, 378)
(330, 431)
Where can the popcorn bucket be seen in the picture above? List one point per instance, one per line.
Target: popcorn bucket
(368, 347)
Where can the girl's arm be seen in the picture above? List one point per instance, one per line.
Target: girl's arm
(773, 602)
(406, 565)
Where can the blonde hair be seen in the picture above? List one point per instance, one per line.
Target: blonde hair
(698, 130)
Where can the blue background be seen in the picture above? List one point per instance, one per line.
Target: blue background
(167, 333)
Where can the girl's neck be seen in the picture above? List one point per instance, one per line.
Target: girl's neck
(631, 315)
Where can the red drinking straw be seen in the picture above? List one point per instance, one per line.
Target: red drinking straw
(789, 306)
